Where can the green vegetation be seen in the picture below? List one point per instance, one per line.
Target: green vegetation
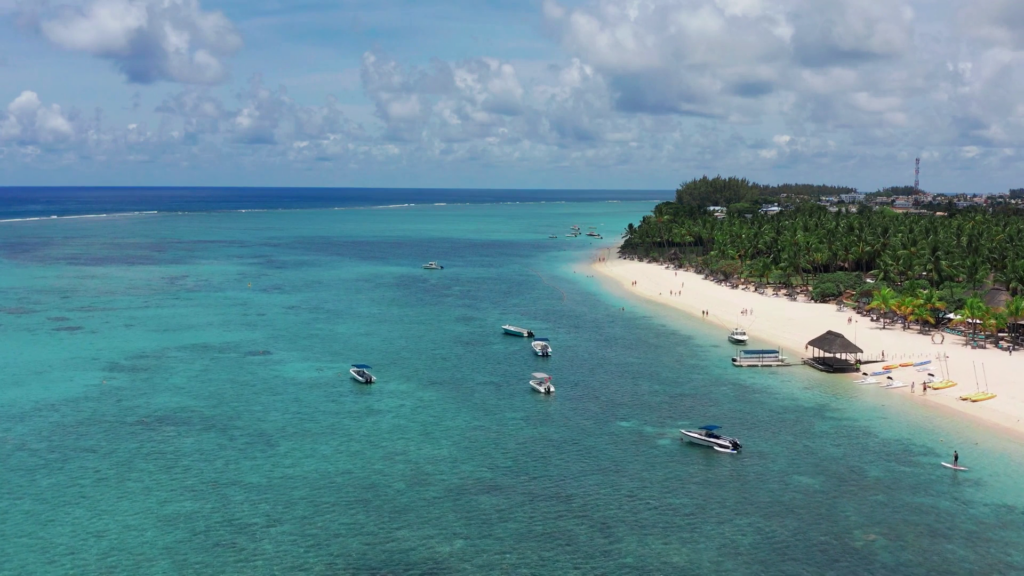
(915, 266)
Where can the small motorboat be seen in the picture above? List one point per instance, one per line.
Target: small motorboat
(553, 236)
(432, 266)
(542, 383)
(575, 227)
(360, 372)
(541, 347)
(517, 331)
(706, 436)
(573, 235)
(738, 336)
(593, 234)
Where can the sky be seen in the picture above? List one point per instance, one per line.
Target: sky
(635, 94)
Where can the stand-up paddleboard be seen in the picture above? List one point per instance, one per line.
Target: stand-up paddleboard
(948, 465)
(724, 450)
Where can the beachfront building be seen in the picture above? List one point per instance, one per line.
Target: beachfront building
(852, 198)
(832, 352)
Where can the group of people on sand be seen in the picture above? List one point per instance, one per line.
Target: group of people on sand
(704, 313)
(747, 312)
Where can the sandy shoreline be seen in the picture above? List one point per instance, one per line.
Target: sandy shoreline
(792, 324)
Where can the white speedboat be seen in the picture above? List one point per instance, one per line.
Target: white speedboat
(517, 331)
(542, 383)
(593, 234)
(360, 372)
(706, 436)
(541, 347)
(738, 336)
(432, 266)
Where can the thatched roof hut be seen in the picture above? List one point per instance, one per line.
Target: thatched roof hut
(832, 352)
(834, 343)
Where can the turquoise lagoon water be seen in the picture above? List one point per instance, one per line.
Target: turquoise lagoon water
(175, 400)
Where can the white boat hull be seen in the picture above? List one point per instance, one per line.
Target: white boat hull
(540, 386)
(542, 349)
(722, 443)
(738, 339)
(362, 376)
(517, 331)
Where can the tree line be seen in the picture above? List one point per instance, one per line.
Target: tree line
(952, 260)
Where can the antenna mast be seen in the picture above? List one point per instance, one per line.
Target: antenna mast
(917, 175)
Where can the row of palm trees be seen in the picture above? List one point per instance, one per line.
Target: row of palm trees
(925, 306)
(971, 248)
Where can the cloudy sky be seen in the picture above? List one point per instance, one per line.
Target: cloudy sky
(511, 94)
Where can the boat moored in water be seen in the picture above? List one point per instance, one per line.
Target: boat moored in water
(542, 383)
(432, 266)
(760, 359)
(541, 347)
(360, 372)
(707, 436)
(738, 336)
(517, 331)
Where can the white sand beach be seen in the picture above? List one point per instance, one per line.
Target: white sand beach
(792, 324)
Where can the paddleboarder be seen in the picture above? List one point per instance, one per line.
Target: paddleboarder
(956, 459)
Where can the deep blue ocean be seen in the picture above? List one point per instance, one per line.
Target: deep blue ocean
(175, 400)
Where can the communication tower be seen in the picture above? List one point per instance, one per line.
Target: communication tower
(917, 175)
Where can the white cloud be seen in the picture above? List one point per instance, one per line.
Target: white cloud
(29, 122)
(148, 40)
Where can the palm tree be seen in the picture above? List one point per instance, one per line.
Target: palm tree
(1014, 313)
(908, 306)
(884, 300)
(974, 312)
(932, 301)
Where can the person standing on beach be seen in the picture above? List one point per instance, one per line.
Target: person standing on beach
(924, 389)
(911, 387)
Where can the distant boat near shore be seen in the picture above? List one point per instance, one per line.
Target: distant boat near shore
(760, 359)
(738, 336)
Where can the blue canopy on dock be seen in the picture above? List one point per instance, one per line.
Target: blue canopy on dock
(758, 352)
(709, 427)
(362, 366)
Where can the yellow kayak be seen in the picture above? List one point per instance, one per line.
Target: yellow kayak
(942, 385)
(905, 364)
(984, 396)
(890, 367)
(970, 396)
